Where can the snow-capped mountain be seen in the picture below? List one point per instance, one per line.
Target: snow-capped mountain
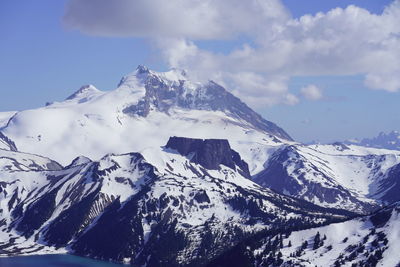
(341, 176)
(389, 140)
(368, 241)
(147, 108)
(182, 204)
(232, 180)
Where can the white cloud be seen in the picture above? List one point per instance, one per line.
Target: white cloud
(350, 41)
(260, 90)
(291, 99)
(384, 81)
(311, 92)
(194, 19)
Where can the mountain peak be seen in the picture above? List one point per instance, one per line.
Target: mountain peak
(80, 160)
(84, 92)
(148, 108)
(141, 69)
(164, 91)
(143, 75)
(168, 77)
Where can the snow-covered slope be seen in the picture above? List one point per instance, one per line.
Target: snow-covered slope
(341, 176)
(159, 207)
(5, 117)
(366, 241)
(186, 203)
(17, 161)
(389, 140)
(369, 241)
(144, 111)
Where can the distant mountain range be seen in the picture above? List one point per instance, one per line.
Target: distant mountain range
(166, 171)
(389, 140)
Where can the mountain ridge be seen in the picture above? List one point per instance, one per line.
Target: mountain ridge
(390, 140)
(162, 171)
(145, 201)
(169, 101)
(350, 177)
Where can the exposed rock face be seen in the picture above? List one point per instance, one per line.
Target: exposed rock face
(8, 143)
(209, 153)
(162, 94)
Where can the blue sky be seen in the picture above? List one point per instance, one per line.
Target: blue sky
(43, 58)
(300, 8)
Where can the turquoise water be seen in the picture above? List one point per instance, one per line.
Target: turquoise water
(53, 260)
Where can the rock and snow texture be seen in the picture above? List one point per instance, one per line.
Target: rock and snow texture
(368, 241)
(159, 208)
(209, 153)
(186, 201)
(340, 176)
(18, 161)
(84, 94)
(144, 111)
(389, 140)
(6, 143)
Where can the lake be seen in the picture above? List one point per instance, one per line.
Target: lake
(53, 260)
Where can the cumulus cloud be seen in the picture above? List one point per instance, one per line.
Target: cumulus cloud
(260, 90)
(389, 81)
(349, 41)
(311, 92)
(193, 19)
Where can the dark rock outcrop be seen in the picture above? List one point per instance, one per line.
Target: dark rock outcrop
(8, 142)
(209, 153)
